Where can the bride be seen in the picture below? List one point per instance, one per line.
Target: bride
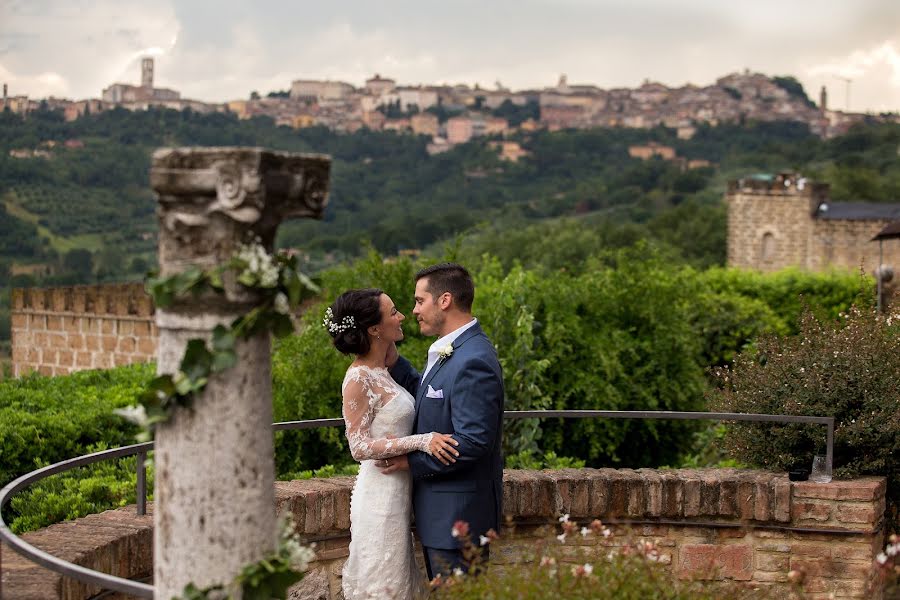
(379, 416)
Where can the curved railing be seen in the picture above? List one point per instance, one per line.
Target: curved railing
(143, 590)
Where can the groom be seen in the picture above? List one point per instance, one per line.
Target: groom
(460, 392)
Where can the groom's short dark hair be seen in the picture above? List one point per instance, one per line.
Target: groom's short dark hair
(453, 278)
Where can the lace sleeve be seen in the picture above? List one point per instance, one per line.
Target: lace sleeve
(360, 400)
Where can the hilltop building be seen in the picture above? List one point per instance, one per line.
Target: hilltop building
(120, 93)
(785, 220)
(317, 91)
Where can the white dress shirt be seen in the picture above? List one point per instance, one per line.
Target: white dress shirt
(434, 353)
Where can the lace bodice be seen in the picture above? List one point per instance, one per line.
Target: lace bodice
(376, 407)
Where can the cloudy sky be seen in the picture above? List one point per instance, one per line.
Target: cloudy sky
(218, 50)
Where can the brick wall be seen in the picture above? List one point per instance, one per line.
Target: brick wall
(59, 330)
(749, 527)
(743, 526)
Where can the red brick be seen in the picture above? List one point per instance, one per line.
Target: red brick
(71, 324)
(142, 328)
(772, 561)
(18, 298)
(848, 552)
(76, 341)
(54, 323)
(122, 359)
(65, 358)
(691, 497)
(126, 328)
(782, 512)
(857, 513)
(819, 569)
(126, 344)
(109, 343)
(811, 550)
(146, 346)
(711, 561)
(19, 321)
(83, 359)
(762, 502)
(92, 343)
(867, 488)
(600, 492)
(811, 511)
(37, 322)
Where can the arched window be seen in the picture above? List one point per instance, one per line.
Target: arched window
(768, 246)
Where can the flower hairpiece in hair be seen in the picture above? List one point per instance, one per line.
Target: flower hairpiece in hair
(328, 323)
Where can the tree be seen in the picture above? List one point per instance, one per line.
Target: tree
(78, 262)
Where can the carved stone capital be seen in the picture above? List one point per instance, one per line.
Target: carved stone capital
(213, 199)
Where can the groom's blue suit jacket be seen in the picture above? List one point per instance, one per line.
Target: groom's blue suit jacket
(471, 489)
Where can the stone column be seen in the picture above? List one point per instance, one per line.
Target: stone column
(214, 502)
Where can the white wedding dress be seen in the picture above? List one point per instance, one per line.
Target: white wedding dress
(382, 556)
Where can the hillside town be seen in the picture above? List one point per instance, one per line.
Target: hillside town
(454, 114)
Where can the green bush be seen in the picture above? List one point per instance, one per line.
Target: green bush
(847, 370)
(790, 291)
(44, 420)
(73, 494)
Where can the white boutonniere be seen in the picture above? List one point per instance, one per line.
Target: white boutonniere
(445, 352)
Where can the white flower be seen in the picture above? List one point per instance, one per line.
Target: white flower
(881, 558)
(562, 537)
(585, 532)
(458, 572)
(564, 518)
(484, 540)
(281, 303)
(445, 352)
(606, 532)
(133, 414)
(588, 569)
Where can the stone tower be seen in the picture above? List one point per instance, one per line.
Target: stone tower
(823, 99)
(770, 220)
(147, 73)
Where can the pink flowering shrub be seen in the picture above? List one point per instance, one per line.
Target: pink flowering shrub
(578, 562)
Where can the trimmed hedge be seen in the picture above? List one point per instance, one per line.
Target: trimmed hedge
(44, 420)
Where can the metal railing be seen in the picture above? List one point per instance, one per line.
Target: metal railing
(143, 590)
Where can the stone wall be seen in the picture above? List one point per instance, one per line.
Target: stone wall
(56, 331)
(742, 526)
(848, 245)
(772, 225)
(759, 210)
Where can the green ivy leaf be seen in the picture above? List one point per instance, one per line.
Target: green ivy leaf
(223, 338)
(293, 286)
(197, 360)
(223, 360)
(281, 325)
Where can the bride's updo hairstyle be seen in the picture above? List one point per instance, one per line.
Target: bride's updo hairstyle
(350, 316)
